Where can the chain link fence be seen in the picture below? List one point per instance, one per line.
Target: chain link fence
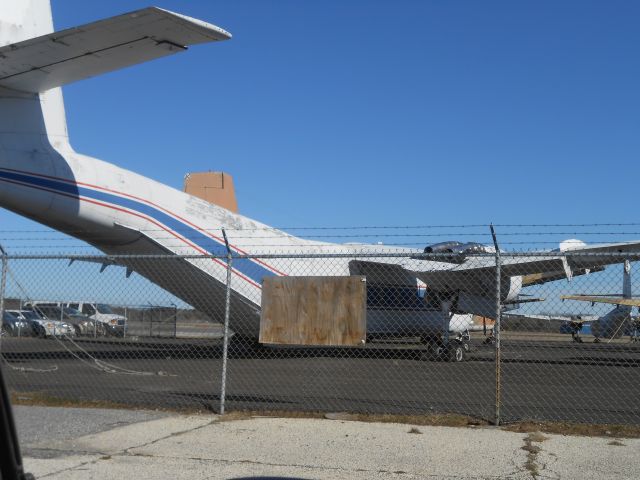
(500, 337)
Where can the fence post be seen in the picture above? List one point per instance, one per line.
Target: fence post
(225, 338)
(175, 320)
(3, 281)
(496, 329)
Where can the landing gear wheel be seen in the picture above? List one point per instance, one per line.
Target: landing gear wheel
(466, 346)
(456, 353)
(435, 351)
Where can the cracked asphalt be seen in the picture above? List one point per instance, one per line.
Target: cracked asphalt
(62, 443)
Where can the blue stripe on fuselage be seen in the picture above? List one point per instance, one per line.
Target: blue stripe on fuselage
(247, 267)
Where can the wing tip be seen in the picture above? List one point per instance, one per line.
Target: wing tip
(212, 31)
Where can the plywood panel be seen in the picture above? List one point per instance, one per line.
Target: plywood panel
(314, 311)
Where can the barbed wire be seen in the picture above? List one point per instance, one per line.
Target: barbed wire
(387, 235)
(266, 254)
(412, 245)
(377, 227)
(326, 238)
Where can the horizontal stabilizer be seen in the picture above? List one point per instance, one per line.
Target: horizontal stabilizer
(521, 317)
(630, 302)
(540, 278)
(53, 60)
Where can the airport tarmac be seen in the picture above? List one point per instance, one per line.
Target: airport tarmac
(114, 444)
(542, 380)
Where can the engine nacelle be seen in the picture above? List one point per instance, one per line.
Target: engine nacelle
(442, 247)
(458, 248)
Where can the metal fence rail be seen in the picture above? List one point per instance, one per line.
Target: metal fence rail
(489, 338)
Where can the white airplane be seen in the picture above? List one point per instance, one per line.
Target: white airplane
(121, 212)
(618, 321)
(613, 324)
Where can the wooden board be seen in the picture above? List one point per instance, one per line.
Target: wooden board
(314, 311)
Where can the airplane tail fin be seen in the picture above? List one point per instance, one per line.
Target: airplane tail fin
(54, 59)
(24, 115)
(24, 20)
(36, 61)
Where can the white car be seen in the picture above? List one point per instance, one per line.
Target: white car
(52, 328)
(114, 323)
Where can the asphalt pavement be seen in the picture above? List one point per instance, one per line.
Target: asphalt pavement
(540, 380)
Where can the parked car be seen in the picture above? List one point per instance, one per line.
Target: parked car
(114, 323)
(82, 324)
(14, 326)
(50, 328)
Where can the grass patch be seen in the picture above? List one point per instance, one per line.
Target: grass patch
(532, 452)
(45, 400)
(249, 414)
(441, 420)
(39, 399)
(577, 429)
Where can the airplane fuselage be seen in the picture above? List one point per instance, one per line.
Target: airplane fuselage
(121, 212)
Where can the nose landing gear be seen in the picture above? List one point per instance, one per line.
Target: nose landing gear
(454, 351)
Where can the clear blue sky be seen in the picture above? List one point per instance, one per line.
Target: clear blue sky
(341, 113)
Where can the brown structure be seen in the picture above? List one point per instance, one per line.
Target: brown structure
(314, 311)
(214, 187)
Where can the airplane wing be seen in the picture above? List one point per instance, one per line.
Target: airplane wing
(540, 278)
(520, 317)
(519, 300)
(631, 302)
(62, 57)
(480, 269)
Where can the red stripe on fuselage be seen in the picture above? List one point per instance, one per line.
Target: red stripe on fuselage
(130, 212)
(150, 203)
